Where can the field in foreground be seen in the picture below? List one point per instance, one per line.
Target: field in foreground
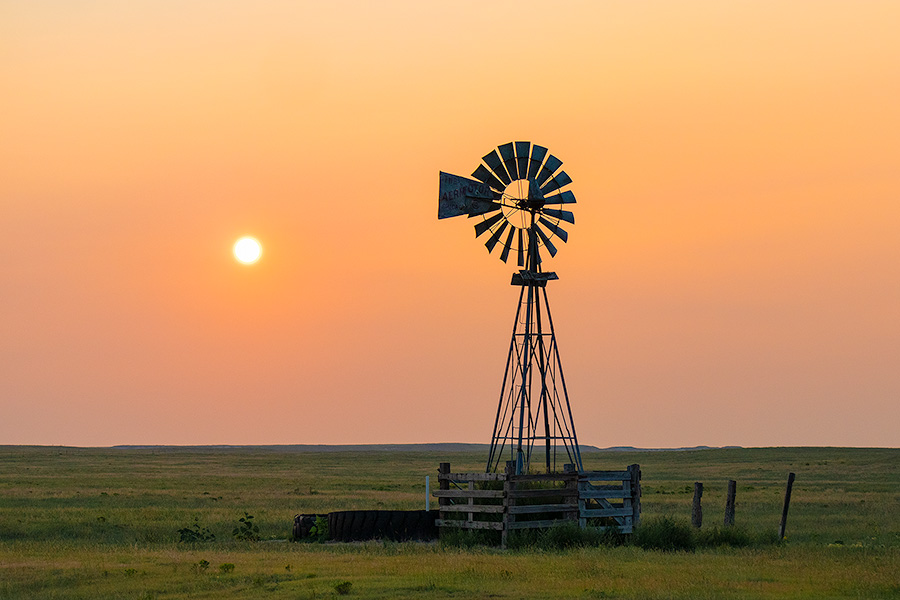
(89, 523)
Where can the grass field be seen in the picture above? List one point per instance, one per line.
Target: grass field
(103, 523)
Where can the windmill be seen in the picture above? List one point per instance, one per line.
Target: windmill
(518, 194)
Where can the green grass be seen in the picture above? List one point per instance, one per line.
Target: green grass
(89, 523)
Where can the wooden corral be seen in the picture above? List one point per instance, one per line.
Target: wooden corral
(505, 502)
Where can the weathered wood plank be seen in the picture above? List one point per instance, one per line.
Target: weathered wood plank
(604, 476)
(543, 477)
(604, 494)
(585, 485)
(470, 524)
(463, 477)
(605, 512)
(537, 524)
(619, 528)
(468, 493)
(561, 492)
(474, 508)
(529, 509)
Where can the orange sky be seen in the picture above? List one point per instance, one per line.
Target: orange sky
(733, 276)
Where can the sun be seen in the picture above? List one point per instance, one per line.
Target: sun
(247, 250)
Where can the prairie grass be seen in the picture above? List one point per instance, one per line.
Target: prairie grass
(103, 523)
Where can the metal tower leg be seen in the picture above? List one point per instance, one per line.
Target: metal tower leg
(533, 367)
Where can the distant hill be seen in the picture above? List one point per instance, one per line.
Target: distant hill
(435, 447)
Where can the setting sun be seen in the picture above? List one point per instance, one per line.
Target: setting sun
(247, 250)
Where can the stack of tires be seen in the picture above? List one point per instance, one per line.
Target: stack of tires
(397, 525)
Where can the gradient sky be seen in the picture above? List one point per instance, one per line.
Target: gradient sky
(733, 276)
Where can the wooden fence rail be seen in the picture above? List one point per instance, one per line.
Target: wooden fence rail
(505, 502)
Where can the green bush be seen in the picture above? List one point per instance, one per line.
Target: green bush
(319, 531)
(200, 566)
(724, 536)
(246, 529)
(194, 533)
(452, 537)
(664, 533)
(343, 588)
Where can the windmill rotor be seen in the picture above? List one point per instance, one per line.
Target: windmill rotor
(518, 191)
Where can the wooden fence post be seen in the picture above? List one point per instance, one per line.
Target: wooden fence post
(729, 503)
(635, 472)
(696, 509)
(443, 483)
(572, 498)
(787, 502)
(507, 501)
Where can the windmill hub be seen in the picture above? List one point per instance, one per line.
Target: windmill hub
(515, 192)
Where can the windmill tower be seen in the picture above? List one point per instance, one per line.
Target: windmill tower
(518, 193)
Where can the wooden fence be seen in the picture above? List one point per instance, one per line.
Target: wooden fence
(504, 502)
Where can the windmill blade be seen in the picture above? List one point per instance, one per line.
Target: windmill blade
(550, 247)
(537, 159)
(561, 198)
(483, 175)
(495, 237)
(548, 169)
(509, 159)
(521, 250)
(460, 196)
(560, 180)
(493, 161)
(563, 215)
(508, 245)
(554, 228)
(534, 192)
(522, 151)
(488, 223)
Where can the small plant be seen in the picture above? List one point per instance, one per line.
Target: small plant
(226, 567)
(200, 567)
(130, 572)
(246, 530)
(194, 533)
(343, 588)
(319, 531)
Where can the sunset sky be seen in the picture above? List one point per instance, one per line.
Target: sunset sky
(733, 277)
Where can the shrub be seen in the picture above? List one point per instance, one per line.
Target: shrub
(195, 533)
(200, 566)
(452, 537)
(664, 533)
(226, 567)
(343, 588)
(565, 535)
(246, 530)
(724, 536)
(319, 531)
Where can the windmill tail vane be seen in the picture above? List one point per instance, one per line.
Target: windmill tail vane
(519, 194)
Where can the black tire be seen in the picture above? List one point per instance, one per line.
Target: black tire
(430, 528)
(413, 518)
(397, 526)
(347, 531)
(341, 526)
(367, 529)
(382, 525)
(332, 526)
